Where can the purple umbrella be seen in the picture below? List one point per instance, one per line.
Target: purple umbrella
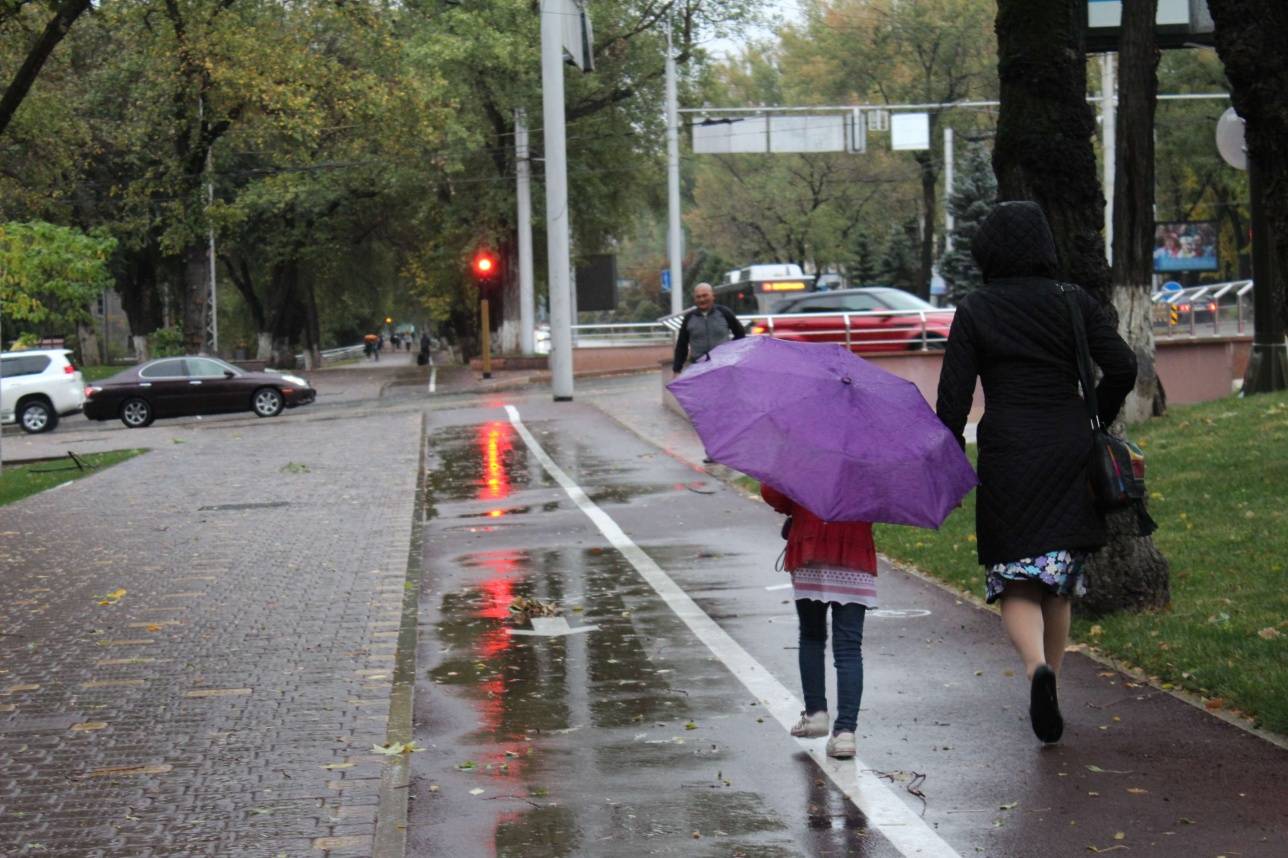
(840, 436)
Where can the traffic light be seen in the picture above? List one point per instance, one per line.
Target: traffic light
(389, 320)
(486, 268)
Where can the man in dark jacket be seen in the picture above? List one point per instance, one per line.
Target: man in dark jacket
(703, 328)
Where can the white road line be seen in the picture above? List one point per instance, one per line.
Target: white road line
(884, 810)
(433, 379)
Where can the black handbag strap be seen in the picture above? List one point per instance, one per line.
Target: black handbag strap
(1082, 353)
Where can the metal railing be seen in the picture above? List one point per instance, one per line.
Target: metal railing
(875, 330)
(608, 335)
(1211, 310)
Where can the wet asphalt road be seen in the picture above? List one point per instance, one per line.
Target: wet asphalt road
(634, 739)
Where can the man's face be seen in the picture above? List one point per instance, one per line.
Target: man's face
(704, 298)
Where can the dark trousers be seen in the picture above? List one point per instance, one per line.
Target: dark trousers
(847, 657)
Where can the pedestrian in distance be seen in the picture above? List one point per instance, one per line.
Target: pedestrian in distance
(833, 567)
(704, 327)
(1036, 521)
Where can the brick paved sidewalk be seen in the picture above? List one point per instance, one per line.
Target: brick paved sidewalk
(228, 701)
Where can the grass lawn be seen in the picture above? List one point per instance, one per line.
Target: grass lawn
(98, 373)
(1218, 476)
(19, 481)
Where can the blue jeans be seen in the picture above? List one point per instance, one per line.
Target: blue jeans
(847, 655)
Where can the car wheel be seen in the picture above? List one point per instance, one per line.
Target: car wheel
(37, 416)
(136, 413)
(267, 402)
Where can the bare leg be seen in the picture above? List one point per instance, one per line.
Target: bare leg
(1056, 611)
(1022, 616)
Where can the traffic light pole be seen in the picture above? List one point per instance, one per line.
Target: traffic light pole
(485, 322)
(552, 108)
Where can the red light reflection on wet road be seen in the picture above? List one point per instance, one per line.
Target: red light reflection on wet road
(495, 440)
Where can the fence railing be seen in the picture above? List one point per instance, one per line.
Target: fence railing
(1210, 310)
(608, 335)
(861, 330)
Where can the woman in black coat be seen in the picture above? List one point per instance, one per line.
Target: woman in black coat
(1036, 521)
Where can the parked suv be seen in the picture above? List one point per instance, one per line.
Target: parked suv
(39, 386)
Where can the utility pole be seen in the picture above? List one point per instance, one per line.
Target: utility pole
(523, 167)
(673, 178)
(949, 220)
(1108, 141)
(552, 109)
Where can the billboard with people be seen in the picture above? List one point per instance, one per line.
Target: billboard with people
(1186, 246)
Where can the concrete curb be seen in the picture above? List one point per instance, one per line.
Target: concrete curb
(393, 799)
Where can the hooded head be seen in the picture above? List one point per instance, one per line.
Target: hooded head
(1015, 241)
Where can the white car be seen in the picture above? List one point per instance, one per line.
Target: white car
(39, 386)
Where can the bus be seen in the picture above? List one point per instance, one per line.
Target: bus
(758, 289)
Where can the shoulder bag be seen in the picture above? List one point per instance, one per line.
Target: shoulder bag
(1116, 466)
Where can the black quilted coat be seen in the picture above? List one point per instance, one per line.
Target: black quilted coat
(1015, 334)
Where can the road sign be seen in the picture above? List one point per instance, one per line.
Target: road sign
(666, 280)
(1172, 286)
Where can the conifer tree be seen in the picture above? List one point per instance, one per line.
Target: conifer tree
(974, 192)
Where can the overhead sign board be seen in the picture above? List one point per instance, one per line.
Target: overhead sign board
(779, 133)
(1178, 23)
(578, 39)
(909, 131)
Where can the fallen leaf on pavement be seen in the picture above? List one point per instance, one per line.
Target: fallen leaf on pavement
(1137, 791)
(476, 791)
(1101, 771)
(1269, 633)
(1009, 805)
(113, 597)
(395, 748)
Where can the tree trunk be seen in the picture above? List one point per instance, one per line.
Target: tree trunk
(508, 333)
(140, 291)
(196, 294)
(65, 14)
(1249, 40)
(1133, 269)
(263, 345)
(1043, 153)
(89, 348)
(312, 328)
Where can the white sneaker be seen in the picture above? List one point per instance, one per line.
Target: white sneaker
(812, 726)
(841, 746)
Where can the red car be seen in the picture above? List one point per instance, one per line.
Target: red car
(871, 319)
(183, 386)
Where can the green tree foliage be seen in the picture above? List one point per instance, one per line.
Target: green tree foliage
(358, 152)
(49, 275)
(974, 192)
(808, 209)
(898, 52)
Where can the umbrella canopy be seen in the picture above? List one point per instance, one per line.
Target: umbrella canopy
(840, 436)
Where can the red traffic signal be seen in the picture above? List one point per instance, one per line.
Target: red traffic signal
(486, 266)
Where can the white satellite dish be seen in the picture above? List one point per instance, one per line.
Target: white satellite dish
(1229, 140)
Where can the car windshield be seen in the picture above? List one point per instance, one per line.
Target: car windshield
(898, 299)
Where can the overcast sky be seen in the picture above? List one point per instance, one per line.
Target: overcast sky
(783, 10)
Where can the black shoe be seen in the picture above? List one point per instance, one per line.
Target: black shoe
(707, 460)
(1044, 709)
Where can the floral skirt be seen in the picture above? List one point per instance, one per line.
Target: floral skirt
(1058, 571)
